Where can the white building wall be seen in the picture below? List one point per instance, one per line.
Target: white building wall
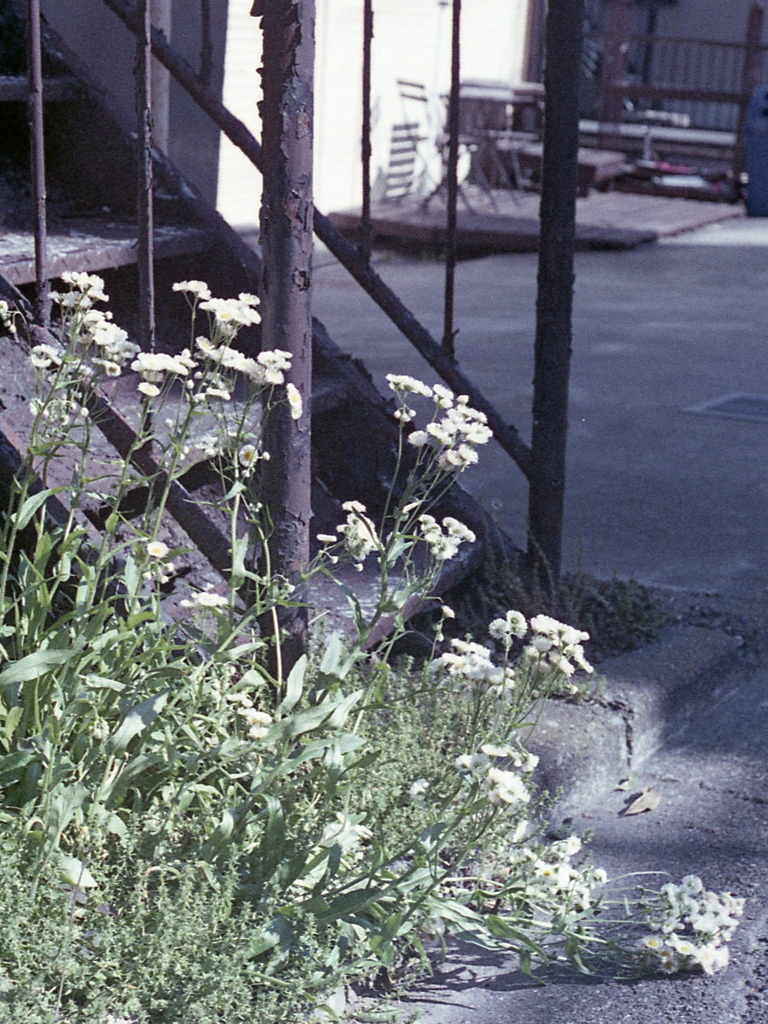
(411, 41)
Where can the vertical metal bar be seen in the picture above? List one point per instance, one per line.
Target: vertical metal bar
(37, 158)
(206, 43)
(286, 243)
(449, 334)
(144, 208)
(750, 72)
(614, 71)
(554, 301)
(650, 31)
(366, 231)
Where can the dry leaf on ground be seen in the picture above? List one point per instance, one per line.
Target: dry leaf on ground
(648, 800)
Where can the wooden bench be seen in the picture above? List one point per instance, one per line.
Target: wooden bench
(597, 167)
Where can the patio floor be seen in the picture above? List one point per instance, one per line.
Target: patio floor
(507, 221)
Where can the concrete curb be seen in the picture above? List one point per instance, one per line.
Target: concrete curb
(581, 746)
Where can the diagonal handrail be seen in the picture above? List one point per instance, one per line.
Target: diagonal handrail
(346, 253)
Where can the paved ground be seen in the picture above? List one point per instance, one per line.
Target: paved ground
(674, 498)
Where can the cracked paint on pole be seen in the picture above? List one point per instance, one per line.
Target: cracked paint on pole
(286, 243)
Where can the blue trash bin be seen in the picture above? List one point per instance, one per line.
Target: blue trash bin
(756, 153)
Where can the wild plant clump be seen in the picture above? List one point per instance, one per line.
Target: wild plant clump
(185, 836)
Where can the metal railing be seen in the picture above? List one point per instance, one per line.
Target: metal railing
(705, 79)
(543, 461)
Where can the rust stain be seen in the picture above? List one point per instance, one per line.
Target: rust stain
(303, 124)
(292, 206)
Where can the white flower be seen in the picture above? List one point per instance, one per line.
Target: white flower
(150, 390)
(206, 599)
(359, 532)
(258, 721)
(42, 356)
(712, 958)
(197, 288)
(274, 363)
(231, 312)
(418, 438)
(154, 365)
(444, 546)
(493, 751)
(418, 789)
(156, 549)
(90, 285)
(570, 846)
(294, 401)
(247, 455)
(512, 625)
(327, 538)
(472, 762)
(692, 884)
(403, 384)
(506, 788)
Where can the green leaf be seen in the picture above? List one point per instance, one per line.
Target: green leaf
(277, 932)
(137, 720)
(273, 841)
(239, 551)
(390, 928)
(330, 713)
(294, 686)
(31, 505)
(349, 902)
(95, 682)
(12, 719)
(34, 665)
(75, 873)
(12, 765)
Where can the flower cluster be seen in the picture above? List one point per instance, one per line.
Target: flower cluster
(689, 927)
(99, 345)
(501, 786)
(556, 645)
(471, 662)
(8, 317)
(267, 368)
(154, 366)
(455, 435)
(359, 532)
(444, 545)
(258, 722)
(84, 290)
(551, 870)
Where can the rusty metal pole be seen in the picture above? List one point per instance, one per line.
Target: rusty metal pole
(366, 231)
(144, 207)
(42, 303)
(449, 334)
(286, 241)
(554, 303)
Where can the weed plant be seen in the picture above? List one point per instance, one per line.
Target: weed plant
(185, 837)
